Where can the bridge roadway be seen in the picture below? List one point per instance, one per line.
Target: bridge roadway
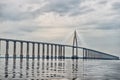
(87, 53)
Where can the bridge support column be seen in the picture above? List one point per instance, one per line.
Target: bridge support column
(27, 55)
(0, 48)
(63, 52)
(51, 52)
(21, 50)
(86, 54)
(55, 52)
(73, 52)
(47, 51)
(38, 51)
(33, 50)
(14, 49)
(7, 49)
(83, 54)
(43, 51)
(59, 52)
(76, 52)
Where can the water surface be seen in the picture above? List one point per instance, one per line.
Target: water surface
(59, 69)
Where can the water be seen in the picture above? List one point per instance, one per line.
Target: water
(42, 69)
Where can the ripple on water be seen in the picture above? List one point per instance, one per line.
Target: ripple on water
(60, 70)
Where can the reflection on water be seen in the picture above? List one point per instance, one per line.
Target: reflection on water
(21, 66)
(57, 69)
(32, 67)
(14, 67)
(75, 68)
(6, 67)
(38, 67)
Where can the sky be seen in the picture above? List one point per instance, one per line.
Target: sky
(97, 22)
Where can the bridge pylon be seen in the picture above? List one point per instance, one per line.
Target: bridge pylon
(75, 46)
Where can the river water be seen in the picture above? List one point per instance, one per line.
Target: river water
(60, 69)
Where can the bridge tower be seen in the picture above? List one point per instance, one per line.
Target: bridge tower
(75, 46)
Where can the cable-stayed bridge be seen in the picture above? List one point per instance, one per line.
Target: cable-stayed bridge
(11, 48)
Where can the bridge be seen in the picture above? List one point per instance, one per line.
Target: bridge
(11, 48)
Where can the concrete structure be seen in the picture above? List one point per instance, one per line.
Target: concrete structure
(48, 50)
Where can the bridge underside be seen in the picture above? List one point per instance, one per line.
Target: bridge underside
(10, 48)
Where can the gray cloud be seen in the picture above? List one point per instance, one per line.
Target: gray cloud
(80, 11)
(61, 7)
(116, 6)
(109, 26)
(112, 25)
(102, 2)
(28, 28)
(67, 7)
(18, 30)
(14, 12)
(11, 33)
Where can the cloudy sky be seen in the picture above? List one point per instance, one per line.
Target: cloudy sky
(96, 21)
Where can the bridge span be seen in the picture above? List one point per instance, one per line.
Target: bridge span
(11, 48)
